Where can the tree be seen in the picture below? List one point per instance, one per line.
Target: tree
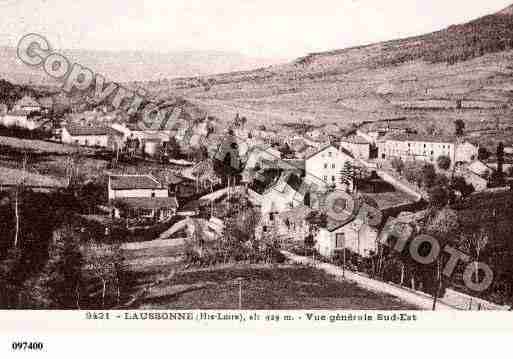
(397, 164)
(439, 196)
(286, 151)
(483, 154)
(428, 175)
(459, 184)
(473, 241)
(431, 130)
(413, 173)
(443, 225)
(347, 174)
(61, 278)
(459, 127)
(443, 162)
(103, 264)
(172, 148)
(500, 158)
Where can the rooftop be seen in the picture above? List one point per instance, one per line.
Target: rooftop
(28, 101)
(316, 151)
(91, 131)
(357, 139)
(440, 138)
(124, 182)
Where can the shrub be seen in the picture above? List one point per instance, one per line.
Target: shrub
(443, 162)
(397, 164)
(483, 154)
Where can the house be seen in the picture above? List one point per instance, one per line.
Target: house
(22, 119)
(127, 186)
(293, 225)
(27, 103)
(479, 168)
(466, 152)
(140, 197)
(106, 137)
(357, 145)
(478, 182)
(140, 208)
(286, 193)
(181, 186)
(324, 168)
(259, 153)
(358, 234)
(414, 147)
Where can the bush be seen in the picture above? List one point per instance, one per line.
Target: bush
(397, 164)
(443, 162)
(459, 184)
(483, 154)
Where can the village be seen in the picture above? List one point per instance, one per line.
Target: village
(204, 183)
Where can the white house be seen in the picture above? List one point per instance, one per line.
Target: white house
(141, 196)
(413, 147)
(20, 118)
(356, 234)
(466, 152)
(27, 103)
(90, 136)
(285, 194)
(127, 186)
(324, 167)
(357, 145)
(259, 153)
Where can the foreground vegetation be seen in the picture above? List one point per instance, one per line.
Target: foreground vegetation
(274, 287)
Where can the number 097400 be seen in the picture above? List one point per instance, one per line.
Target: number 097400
(21, 346)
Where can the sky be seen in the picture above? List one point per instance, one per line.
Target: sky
(283, 29)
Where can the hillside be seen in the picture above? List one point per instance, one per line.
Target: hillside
(419, 78)
(125, 66)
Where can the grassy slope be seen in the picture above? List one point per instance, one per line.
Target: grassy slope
(264, 286)
(267, 287)
(363, 83)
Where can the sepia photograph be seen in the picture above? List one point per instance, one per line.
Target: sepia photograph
(194, 159)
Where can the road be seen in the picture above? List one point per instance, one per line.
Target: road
(420, 300)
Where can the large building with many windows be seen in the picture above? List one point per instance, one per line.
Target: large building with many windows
(414, 147)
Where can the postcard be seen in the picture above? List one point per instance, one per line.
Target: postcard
(196, 165)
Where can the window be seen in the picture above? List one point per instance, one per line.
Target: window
(332, 178)
(325, 178)
(329, 154)
(325, 165)
(340, 241)
(332, 165)
(271, 216)
(152, 194)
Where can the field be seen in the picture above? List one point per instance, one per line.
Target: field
(263, 286)
(421, 78)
